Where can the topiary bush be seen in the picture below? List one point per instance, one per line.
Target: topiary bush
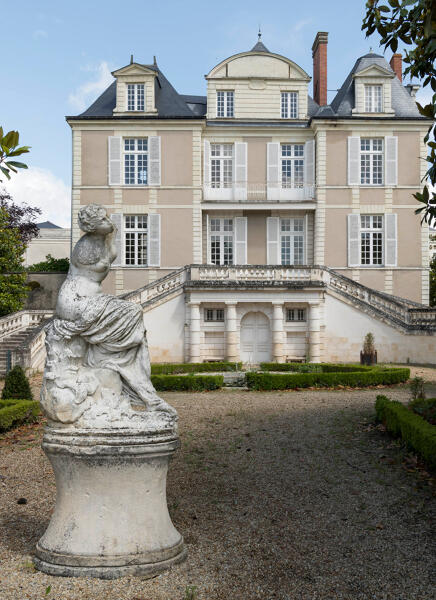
(15, 412)
(425, 408)
(416, 432)
(17, 385)
(187, 383)
(174, 368)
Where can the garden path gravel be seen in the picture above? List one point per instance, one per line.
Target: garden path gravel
(280, 495)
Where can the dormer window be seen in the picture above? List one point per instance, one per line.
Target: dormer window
(224, 104)
(135, 96)
(289, 105)
(373, 98)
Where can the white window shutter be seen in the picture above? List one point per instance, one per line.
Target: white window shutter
(117, 220)
(306, 237)
(208, 259)
(154, 240)
(154, 167)
(309, 163)
(273, 170)
(391, 160)
(354, 240)
(114, 151)
(273, 239)
(240, 172)
(206, 164)
(240, 240)
(390, 240)
(354, 160)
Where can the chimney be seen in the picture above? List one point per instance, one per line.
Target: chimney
(319, 55)
(396, 63)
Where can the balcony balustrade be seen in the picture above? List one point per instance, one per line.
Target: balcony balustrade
(244, 191)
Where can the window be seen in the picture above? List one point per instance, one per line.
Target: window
(373, 98)
(221, 241)
(292, 241)
(292, 165)
(135, 96)
(214, 314)
(289, 105)
(135, 237)
(371, 161)
(224, 104)
(135, 161)
(296, 314)
(371, 239)
(221, 167)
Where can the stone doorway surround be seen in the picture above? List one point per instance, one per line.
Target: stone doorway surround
(255, 335)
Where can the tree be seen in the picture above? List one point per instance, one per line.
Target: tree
(17, 385)
(20, 217)
(50, 265)
(13, 290)
(432, 301)
(9, 149)
(412, 22)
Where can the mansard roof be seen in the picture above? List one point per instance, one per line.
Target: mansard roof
(402, 102)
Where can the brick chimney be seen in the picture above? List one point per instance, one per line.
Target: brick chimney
(319, 55)
(396, 63)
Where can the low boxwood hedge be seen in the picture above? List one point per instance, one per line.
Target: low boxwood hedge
(323, 367)
(13, 412)
(289, 381)
(206, 367)
(416, 432)
(187, 383)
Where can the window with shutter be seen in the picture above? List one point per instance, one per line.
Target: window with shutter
(391, 240)
(240, 240)
(273, 235)
(155, 160)
(114, 144)
(154, 242)
(391, 160)
(240, 171)
(273, 170)
(221, 241)
(353, 240)
(353, 160)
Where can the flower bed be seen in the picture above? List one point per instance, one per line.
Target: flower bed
(14, 412)
(416, 432)
(358, 378)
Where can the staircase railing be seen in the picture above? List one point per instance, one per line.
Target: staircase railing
(21, 320)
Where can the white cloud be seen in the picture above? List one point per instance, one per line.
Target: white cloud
(89, 91)
(424, 95)
(39, 33)
(41, 188)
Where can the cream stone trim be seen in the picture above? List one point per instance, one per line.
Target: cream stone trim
(119, 282)
(355, 275)
(355, 199)
(197, 233)
(321, 179)
(75, 207)
(394, 206)
(388, 281)
(118, 199)
(77, 157)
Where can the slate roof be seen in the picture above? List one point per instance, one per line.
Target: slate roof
(47, 225)
(259, 47)
(402, 102)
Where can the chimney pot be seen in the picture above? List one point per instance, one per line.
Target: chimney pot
(319, 55)
(396, 63)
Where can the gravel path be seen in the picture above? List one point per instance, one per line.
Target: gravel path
(286, 495)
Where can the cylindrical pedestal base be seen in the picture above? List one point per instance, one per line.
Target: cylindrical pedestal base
(111, 517)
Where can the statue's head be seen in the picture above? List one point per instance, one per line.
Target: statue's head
(93, 217)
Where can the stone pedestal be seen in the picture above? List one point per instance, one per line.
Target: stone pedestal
(111, 517)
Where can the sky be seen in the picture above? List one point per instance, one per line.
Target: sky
(57, 58)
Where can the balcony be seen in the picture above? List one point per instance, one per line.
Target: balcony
(258, 192)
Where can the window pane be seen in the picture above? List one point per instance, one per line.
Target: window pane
(130, 248)
(298, 249)
(215, 249)
(142, 248)
(140, 95)
(130, 96)
(230, 104)
(220, 314)
(286, 249)
(228, 250)
(220, 104)
(129, 168)
(142, 169)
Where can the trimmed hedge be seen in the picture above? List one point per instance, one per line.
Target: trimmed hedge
(187, 383)
(289, 381)
(14, 412)
(206, 367)
(416, 432)
(323, 367)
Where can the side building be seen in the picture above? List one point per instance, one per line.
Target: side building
(259, 223)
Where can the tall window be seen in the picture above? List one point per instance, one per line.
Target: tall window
(135, 96)
(289, 105)
(296, 314)
(221, 241)
(371, 239)
(214, 314)
(224, 104)
(221, 167)
(135, 239)
(292, 165)
(371, 161)
(292, 241)
(373, 98)
(135, 161)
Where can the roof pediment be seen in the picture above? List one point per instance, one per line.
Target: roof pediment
(134, 69)
(374, 70)
(258, 64)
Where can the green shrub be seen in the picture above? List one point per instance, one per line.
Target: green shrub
(17, 385)
(417, 388)
(206, 367)
(187, 383)
(50, 265)
(288, 381)
(426, 408)
(416, 432)
(313, 367)
(14, 412)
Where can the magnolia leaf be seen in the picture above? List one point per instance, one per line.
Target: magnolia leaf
(5, 172)
(19, 165)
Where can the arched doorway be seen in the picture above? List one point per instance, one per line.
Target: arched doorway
(255, 338)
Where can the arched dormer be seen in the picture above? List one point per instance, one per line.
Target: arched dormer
(257, 85)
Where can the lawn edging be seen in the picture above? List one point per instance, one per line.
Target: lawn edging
(416, 432)
(14, 412)
(290, 381)
(187, 383)
(316, 367)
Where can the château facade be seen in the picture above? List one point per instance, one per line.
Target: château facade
(258, 222)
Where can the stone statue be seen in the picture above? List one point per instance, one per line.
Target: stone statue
(109, 436)
(96, 342)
